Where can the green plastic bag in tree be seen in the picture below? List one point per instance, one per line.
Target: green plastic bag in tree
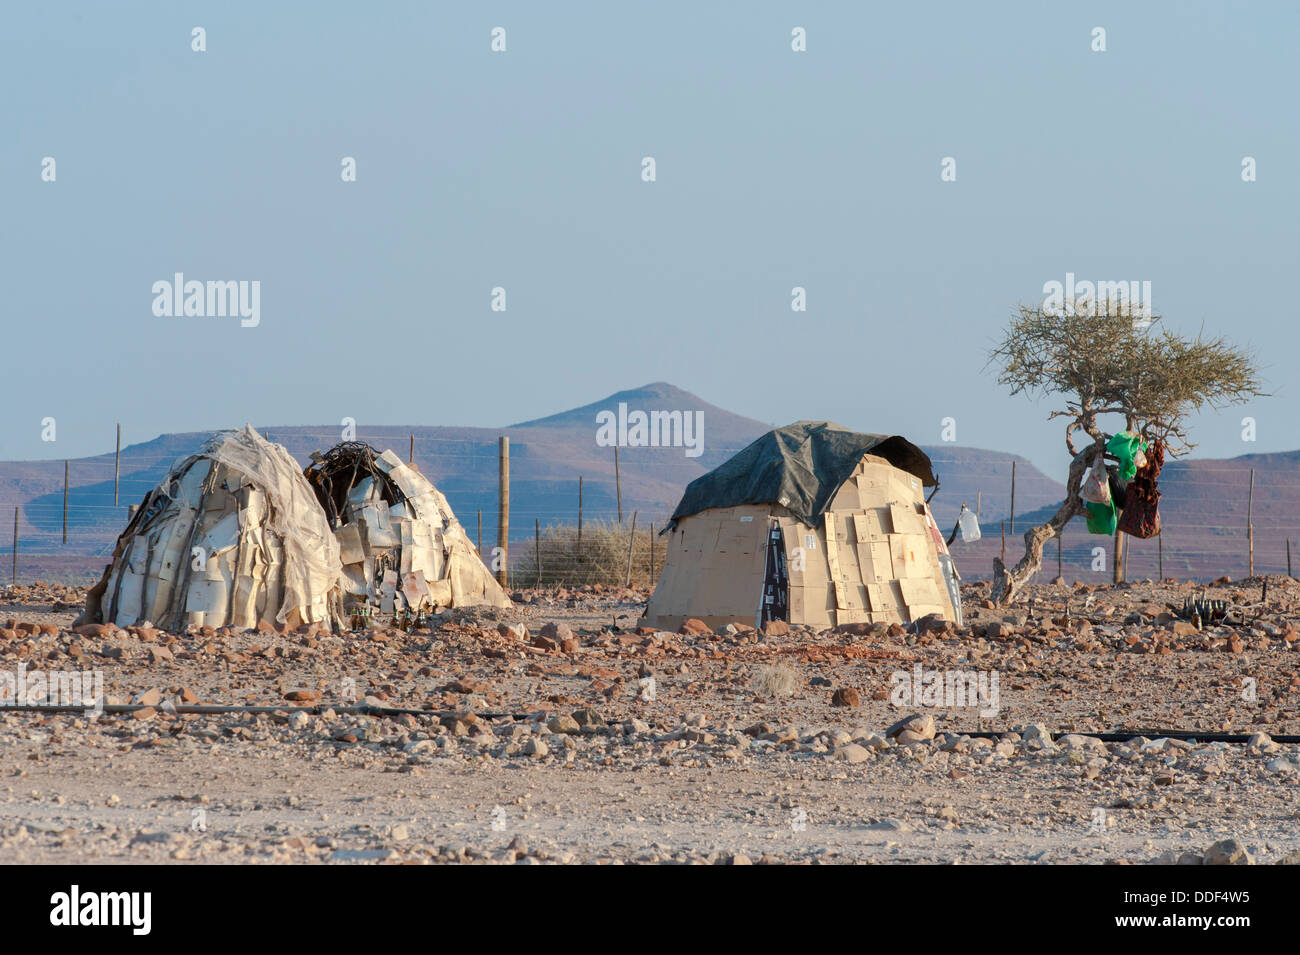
(1101, 517)
(1124, 447)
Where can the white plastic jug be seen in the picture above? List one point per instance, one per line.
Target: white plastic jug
(969, 525)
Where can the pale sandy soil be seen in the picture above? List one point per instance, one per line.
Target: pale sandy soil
(691, 776)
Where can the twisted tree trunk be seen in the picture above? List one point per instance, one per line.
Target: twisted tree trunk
(1008, 583)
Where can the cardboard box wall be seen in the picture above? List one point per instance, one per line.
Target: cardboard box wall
(874, 558)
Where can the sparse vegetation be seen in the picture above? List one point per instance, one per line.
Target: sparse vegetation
(774, 682)
(600, 559)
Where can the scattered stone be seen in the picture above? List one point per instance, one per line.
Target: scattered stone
(920, 725)
(1228, 852)
(852, 753)
(564, 724)
(890, 825)
(149, 697)
(589, 719)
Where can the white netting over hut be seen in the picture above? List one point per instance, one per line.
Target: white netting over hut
(232, 536)
(401, 547)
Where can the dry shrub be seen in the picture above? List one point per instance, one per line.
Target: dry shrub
(601, 559)
(775, 681)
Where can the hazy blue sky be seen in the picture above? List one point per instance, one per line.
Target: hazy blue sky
(523, 170)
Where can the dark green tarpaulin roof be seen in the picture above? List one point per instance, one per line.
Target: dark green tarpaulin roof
(800, 466)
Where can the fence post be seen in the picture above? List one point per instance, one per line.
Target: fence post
(15, 546)
(1013, 498)
(631, 541)
(503, 508)
(537, 549)
(480, 533)
(1288, 557)
(1117, 557)
(65, 502)
(1059, 573)
(117, 462)
(579, 518)
(1160, 543)
(618, 485)
(652, 555)
(410, 458)
(1250, 526)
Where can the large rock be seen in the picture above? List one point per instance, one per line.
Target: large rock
(920, 724)
(853, 753)
(1228, 852)
(589, 718)
(846, 696)
(563, 724)
(556, 631)
(1262, 743)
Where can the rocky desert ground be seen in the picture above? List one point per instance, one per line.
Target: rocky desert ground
(556, 731)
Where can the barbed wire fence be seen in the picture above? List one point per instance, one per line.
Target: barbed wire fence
(68, 535)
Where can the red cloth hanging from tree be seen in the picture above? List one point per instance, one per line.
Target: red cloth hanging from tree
(1141, 516)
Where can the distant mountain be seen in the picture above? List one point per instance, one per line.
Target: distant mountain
(549, 454)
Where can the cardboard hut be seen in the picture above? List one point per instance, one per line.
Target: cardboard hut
(232, 536)
(400, 546)
(812, 524)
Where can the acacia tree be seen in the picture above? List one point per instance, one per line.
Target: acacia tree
(1107, 363)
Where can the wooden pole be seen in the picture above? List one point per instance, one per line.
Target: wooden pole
(1250, 526)
(117, 462)
(979, 500)
(1004, 541)
(65, 502)
(410, 458)
(1288, 557)
(1160, 550)
(652, 555)
(15, 547)
(503, 507)
(1059, 573)
(480, 533)
(537, 549)
(618, 485)
(1013, 498)
(631, 541)
(580, 518)
(1117, 557)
